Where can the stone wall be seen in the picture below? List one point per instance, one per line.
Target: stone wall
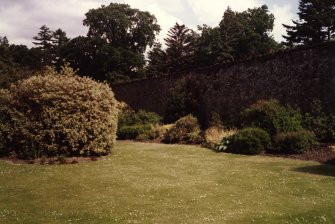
(294, 77)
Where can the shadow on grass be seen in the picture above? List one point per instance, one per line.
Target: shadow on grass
(322, 169)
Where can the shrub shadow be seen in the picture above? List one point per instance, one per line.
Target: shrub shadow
(322, 169)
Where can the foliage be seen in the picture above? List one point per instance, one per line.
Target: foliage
(214, 135)
(294, 142)
(131, 123)
(155, 133)
(316, 23)
(271, 116)
(58, 113)
(249, 141)
(211, 49)
(157, 61)
(122, 27)
(184, 130)
(132, 131)
(44, 41)
(247, 33)
(181, 43)
(183, 99)
(320, 122)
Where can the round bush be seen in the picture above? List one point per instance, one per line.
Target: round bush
(248, 141)
(57, 114)
(294, 142)
(185, 130)
(272, 117)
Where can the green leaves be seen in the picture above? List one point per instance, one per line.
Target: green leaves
(316, 23)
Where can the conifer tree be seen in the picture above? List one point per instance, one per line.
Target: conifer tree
(44, 40)
(180, 50)
(316, 23)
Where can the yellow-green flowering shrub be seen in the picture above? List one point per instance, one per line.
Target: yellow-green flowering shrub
(57, 114)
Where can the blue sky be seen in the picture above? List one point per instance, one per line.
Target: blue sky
(20, 19)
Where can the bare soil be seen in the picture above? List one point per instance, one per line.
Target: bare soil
(323, 153)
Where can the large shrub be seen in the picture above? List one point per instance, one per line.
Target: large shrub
(183, 99)
(248, 141)
(57, 114)
(320, 122)
(271, 116)
(185, 130)
(132, 124)
(294, 142)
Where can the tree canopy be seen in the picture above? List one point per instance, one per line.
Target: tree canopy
(316, 23)
(122, 26)
(248, 33)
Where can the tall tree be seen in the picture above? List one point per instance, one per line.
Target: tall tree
(249, 33)
(59, 42)
(316, 23)
(181, 42)
(122, 26)
(123, 35)
(44, 42)
(156, 61)
(211, 49)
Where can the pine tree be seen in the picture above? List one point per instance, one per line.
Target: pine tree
(316, 23)
(44, 40)
(156, 61)
(180, 50)
(59, 42)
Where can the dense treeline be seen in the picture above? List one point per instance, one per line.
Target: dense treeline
(119, 37)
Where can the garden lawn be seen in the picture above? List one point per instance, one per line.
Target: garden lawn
(154, 183)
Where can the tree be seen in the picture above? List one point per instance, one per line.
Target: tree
(156, 61)
(122, 26)
(249, 33)
(58, 43)
(181, 42)
(44, 42)
(316, 23)
(211, 49)
(117, 40)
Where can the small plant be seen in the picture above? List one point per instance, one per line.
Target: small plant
(43, 160)
(223, 145)
(213, 136)
(249, 141)
(272, 117)
(294, 142)
(61, 159)
(185, 130)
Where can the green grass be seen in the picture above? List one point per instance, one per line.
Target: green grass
(153, 183)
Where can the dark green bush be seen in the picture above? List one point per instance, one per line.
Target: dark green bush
(183, 99)
(131, 123)
(132, 131)
(57, 114)
(185, 130)
(294, 142)
(272, 117)
(321, 123)
(248, 141)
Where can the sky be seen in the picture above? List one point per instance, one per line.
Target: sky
(20, 20)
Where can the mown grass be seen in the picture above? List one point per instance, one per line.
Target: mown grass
(154, 183)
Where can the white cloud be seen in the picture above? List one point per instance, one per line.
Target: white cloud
(210, 12)
(283, 15)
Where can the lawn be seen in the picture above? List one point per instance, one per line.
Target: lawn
(154, 183)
